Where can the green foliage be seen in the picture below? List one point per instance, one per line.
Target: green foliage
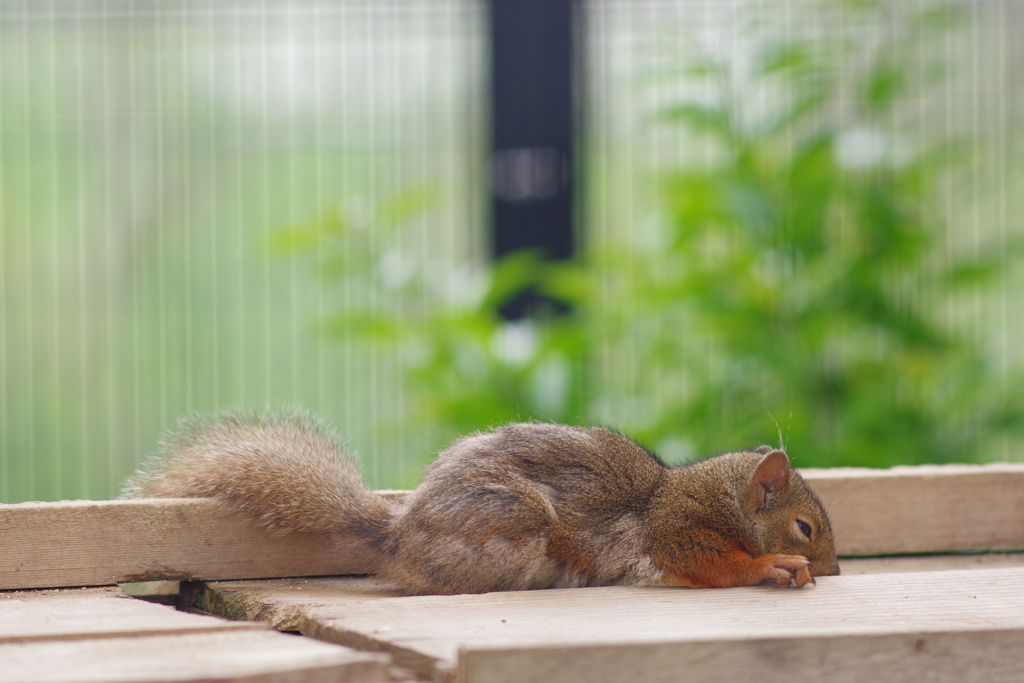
(803, 271)
(466, 367)
(795, 293)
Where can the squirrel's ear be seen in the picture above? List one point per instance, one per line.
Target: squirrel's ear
(770, 476)
(764, 450)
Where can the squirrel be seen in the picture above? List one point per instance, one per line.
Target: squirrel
(522, 506)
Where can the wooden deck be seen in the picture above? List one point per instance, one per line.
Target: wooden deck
(940, 616)
(102, 636)
(937, 620)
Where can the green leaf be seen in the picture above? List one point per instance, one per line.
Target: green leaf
(511, 275)
(405, 204)
(701, 118)
(983, 268)
(569, 282)
(306, 236)
(884, 84)
(786, 58)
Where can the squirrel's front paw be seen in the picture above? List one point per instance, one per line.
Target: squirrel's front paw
(786, 569)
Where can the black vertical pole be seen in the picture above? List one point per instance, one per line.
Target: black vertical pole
(532, 51)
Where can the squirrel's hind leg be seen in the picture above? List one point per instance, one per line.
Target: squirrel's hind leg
(452, 565)
(490, 538)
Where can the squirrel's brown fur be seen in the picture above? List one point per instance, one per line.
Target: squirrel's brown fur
(523, 506)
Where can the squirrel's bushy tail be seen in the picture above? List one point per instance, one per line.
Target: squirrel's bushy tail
(285, 470)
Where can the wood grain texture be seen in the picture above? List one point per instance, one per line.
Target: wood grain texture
(925, 509)
(101, 635)
(239, 657)
(87, 543)
(958, 625)
(972, 657)
(70, 615)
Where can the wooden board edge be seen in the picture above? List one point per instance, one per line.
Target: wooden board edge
(228, 626)
(929, 509)
(422, 665)
(938, 657)
(101, 543)
(236, 657)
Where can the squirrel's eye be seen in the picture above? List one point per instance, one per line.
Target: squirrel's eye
(805, 528)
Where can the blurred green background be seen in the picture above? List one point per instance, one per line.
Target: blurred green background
(799, 222)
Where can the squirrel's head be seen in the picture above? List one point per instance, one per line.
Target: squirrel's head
(788, 517)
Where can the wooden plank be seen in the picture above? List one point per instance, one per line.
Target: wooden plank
(843, 609)
(85, 543)
(95, 613)
(492, 637)
(901, 564)
(88, 543)
(930, 508)
(972, 657)
(242, 657)
(102, 635)
(441, 628)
